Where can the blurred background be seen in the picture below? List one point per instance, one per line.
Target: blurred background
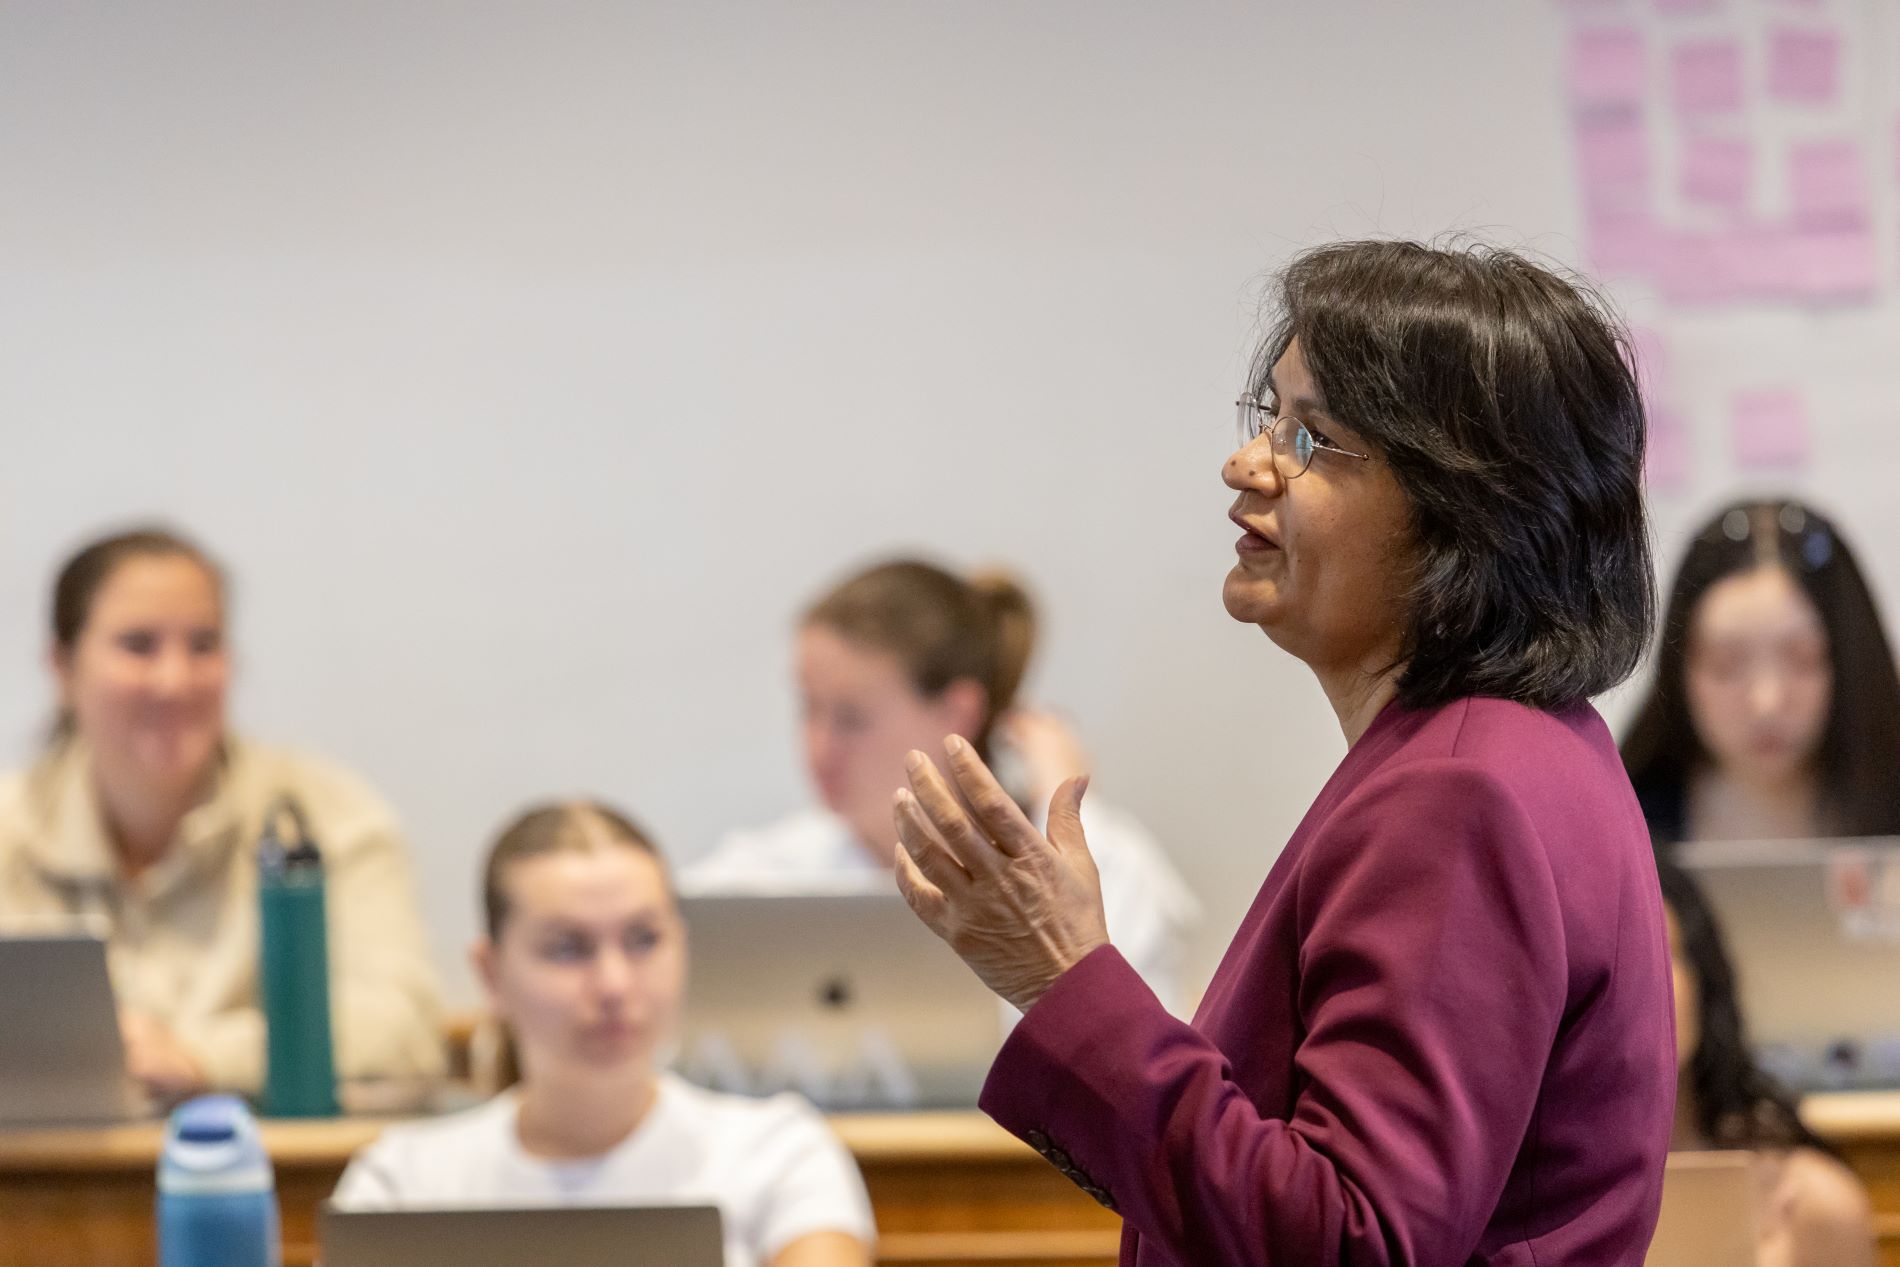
(531, 365)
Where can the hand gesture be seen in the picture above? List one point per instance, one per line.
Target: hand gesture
(1019, 907)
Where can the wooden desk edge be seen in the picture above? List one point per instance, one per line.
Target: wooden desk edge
(883, 1138)
(1849, 1117)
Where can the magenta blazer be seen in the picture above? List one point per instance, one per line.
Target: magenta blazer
(1442, 1035)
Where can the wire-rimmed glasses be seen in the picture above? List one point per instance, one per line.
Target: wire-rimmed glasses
(1293, 442)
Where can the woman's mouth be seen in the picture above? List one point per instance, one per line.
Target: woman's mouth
(1254, 539)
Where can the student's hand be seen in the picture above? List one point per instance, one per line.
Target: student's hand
(1019, 907)
(156, 1060)
(1050, 750)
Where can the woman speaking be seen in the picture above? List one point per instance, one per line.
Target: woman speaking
(1442, 1033)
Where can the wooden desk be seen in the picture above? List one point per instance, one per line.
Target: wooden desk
(1865, 1127)
(948, 1188)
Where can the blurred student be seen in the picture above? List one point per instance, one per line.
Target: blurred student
(585, 962)
(1813, 1211)
(893, 659)
(141, 819)
(1775, 713)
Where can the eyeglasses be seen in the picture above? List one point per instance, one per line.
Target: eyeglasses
(1293, 443)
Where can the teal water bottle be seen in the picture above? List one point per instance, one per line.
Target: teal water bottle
(294, 968)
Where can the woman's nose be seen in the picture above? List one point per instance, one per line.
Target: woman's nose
(613, 974)
(1250, 469)
(171, 671)
(1766, 694)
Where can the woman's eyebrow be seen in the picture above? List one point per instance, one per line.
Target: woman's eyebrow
(1300, 404)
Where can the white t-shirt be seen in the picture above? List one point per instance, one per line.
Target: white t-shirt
(1148, 907)
(773, 1168)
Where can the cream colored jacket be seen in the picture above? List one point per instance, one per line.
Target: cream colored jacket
(183, 936)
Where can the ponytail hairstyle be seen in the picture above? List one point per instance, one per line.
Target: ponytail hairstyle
(82, 576)
(942, 628)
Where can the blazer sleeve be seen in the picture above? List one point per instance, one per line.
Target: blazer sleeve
(1431, 982)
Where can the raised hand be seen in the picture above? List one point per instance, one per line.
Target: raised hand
(1019, 907)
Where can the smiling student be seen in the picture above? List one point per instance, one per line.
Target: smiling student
(584, 960)
(141, 820)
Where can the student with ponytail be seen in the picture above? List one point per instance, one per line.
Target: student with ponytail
(892, 659)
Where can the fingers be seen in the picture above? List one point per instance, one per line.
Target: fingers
(938, 803)
(1065, 816)
(923, 897)
(997, 815)
(927, 852)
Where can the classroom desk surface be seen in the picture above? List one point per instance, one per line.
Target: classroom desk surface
(948, 1189)
(1865, 1127)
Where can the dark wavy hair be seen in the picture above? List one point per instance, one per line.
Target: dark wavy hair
(1737, 1104)
(1503, 397)
(1860, 747)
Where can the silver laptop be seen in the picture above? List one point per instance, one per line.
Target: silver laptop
(1708, 1212)
(844, 997)
(573, 1236)
(62, 1061)
(1813, 928)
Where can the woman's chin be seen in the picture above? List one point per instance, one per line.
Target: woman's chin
(1246, 598)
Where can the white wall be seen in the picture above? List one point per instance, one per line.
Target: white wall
(531, 363)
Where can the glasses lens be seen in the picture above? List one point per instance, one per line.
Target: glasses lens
(1292, 447)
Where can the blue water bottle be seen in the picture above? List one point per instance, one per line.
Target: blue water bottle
(217, 1202)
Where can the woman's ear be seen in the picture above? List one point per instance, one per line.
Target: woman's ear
(962, 705)
(481, 956)
(59, 662)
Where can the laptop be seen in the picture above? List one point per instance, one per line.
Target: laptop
(844, 997)
(62, 1062)
(1708, 1212)
(573, 1236)
(1813, 929)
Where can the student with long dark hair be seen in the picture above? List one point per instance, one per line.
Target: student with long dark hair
(1814, 1211)
(1775, 711)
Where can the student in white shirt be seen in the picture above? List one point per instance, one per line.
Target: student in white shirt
(584, 961)
(894, 659)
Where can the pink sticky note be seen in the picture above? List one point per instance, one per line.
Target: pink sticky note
(1613, 163)
(1606, 66)
(1827, 184)
(1770, 429)
(1839, 264)
(1705, 77)
(1804, 66)
(1765, 260)
(1696, 268)
(1666, 459)
(1718, 172)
